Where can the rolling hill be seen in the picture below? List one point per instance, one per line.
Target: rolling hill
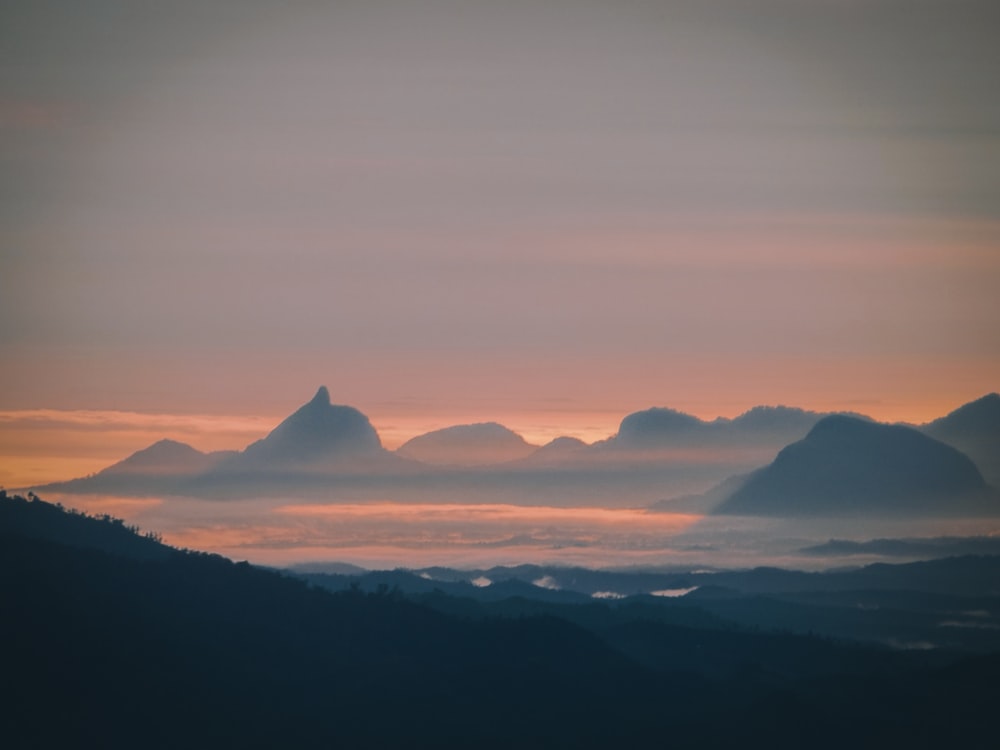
(848, 466)
(467, 445)
(975, 430)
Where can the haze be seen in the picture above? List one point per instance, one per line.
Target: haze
(545, 214)
(479, 210)
(636, 360)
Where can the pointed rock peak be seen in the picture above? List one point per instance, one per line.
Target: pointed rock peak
(322, 397)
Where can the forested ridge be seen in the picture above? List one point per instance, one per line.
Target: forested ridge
(109, 647)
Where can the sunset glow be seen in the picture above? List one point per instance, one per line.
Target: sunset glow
(44, 445)
(546, 215)
(500, 373)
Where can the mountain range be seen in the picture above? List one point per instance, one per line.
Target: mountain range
(660, 428)
(322, 442)
(822, 463)
(319, 437)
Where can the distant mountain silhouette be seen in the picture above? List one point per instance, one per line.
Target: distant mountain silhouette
(557, 452)
(655, 427)
(563, 444)
(975, 430)
(656, 453)
(158, 468)
(847, 466)
(942, 546)
(317, 438)
(315, 432)
(878, 603)
(704, 502)
(966, 575)
(782, 420)
(467, 445)
(167, 457)
(660, 428)
(318, 444)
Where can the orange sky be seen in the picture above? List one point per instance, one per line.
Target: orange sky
(451, 212)
(42, 445)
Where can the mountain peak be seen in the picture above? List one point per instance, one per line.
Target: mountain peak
(974, 429)
(981, 415)
(322, 397)
(839, 425)
(467, 445)
(165, 456)
(655, 427)
(316, 431)
(847, 465)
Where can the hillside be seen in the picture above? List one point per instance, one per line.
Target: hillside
(660, 428)
(315, 442)
(193, 650)
(467, 445)
(848, 466)
(316, 432)
(974, 429)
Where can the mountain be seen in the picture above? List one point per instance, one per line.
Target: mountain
(467, 445)
(975, 430)
(317, 439)
(669, 440)
(166, 457)
(663, 428)
(701, 502)
(657, 426)
(916, 548)
(158, 468)
(776, 420)
(316, 432)
(562, 445)
(848, 466)
(656, 453)
(557, 452)
(320, 445)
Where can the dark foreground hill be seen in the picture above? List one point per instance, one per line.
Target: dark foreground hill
(107, 650)
(949, 604)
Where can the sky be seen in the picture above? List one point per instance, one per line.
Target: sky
(547, 213)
